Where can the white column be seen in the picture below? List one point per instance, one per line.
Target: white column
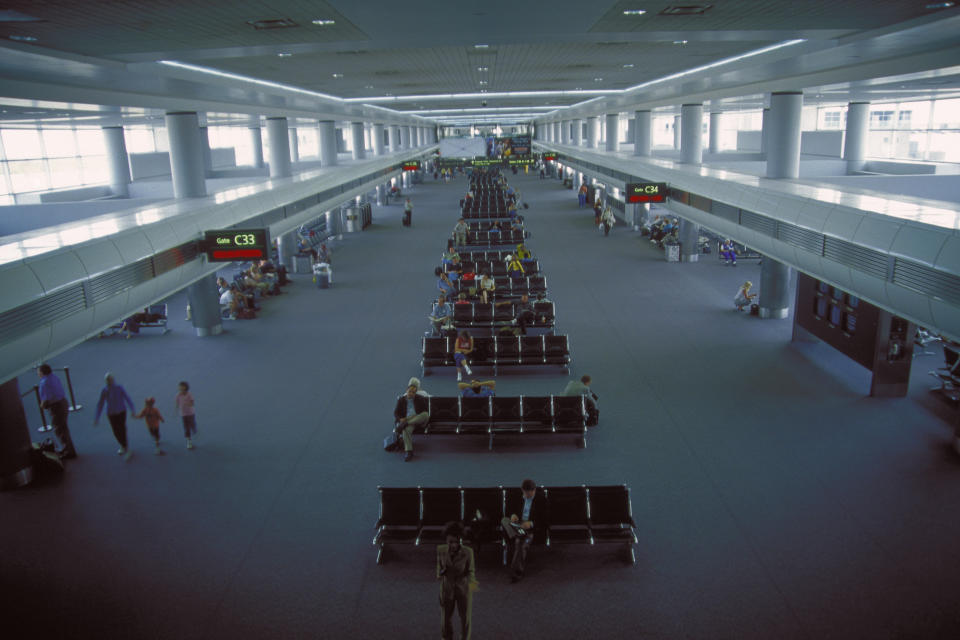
(715, 132)
(117, 162)
(613, 132)
(764, 129)
(404, 137)
(576, 134)
(855, 141)
(676, 131)
(328, 142)
(205, 150)
(565, 132)
(279, 147)
(186, 158)
(691, 133)
(294, 143)
(356, 138)
(256, 143)
(377, 139)
(783, 141)
(593, 132)
(393, 132)
(643, 132)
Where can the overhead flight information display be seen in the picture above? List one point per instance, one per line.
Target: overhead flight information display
(227, 245)
(647, 192)
(411, 165)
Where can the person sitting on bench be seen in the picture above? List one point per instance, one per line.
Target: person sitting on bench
(582, 388)
(442, 316)
(477, 388)
(488, 287)
(728, 253)
(462, 348)
(523, 254)
(444, 284)
(525, 523)
(411, 410)
(523, 313)
(495, 227)
(515, 267)
(460, 233)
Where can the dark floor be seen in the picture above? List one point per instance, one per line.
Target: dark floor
(774, 498)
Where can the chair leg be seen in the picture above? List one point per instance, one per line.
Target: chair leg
(633, 555)
(380, 554)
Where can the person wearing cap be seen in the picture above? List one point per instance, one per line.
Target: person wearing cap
(744, 298)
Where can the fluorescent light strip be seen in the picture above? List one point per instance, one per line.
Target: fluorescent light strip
(489, 94)
(480, 110)
(236, 76)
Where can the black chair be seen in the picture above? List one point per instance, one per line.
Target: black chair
(611, 516)
(570, 416)
(537, 413)
(531, 349)
(436, 352)
(475, 415)
(439, 506)
(544, 310)
(444, 415)
(482, 313)
(569, 516)
(399, 520)
(482, 512)
(508, 349)
(556, 350)
(463, 315)
(503, 313)
(483, 351)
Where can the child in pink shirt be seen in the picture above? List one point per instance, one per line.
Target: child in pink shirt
(153, 417)
(184, 400)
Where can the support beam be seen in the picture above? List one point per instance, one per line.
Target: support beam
(186, 158)
(643, 133)
(279, 139)
(855, 141)
(613, 132)
(328, 143)
(118, 164)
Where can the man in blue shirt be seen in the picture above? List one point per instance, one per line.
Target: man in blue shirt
(477, 388)
(53, 398)
(115, 397)
(442, 316)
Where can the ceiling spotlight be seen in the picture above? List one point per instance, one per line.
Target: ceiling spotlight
(940, 5)
(369, 86)
(483, 69)
(481, 46)
(483, 82)
(284, 55)
(598, 79)
(680, 41)
(634, 12)
(337, 75)
(323, 23)
(628, 66)
(24, 38)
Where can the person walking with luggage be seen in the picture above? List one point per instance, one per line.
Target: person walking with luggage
(407, 213)
(456, 572)
(153, 417)
(607, 220)
(185, 406)
(53, 398)
(115, 397)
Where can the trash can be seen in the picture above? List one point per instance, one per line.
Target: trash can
(322, 275)
(351, 220)
(672, 252)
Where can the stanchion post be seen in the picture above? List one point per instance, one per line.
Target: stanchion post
(73, 403)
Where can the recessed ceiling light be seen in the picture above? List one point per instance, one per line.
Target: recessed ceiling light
(369, 86)
(284, 55)
(24, 38)
(940, 5)
(628, 66)
(320, 22)
(483, 69)
(483, 82)
(481, 46)
(680, 41)
(598, 79)
(634, 12)
(337, 75)
(578, 89)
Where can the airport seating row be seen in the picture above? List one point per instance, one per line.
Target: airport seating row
(480, 255)
(485, 315)
(496, 268)
(485, 214)
(588, 515)
(948, 375)
(507, 415)
(495, 239)
(485, 226)
(497, 352)
(153, 316)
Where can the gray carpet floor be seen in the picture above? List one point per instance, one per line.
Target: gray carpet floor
(773, 498)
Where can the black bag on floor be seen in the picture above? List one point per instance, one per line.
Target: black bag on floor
(46, 463)
(392, 442)
(755, 310)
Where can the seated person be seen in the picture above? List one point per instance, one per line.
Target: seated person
(728, 253)
(487, 287)
(415, 382)
(582, 388)
(222, 286)
(512, 210)
(267, 267)
(526, 523)
(462, 348)
(442, 315)
(523, 254)
(454, 271)
(304, 248)
(744, 298)
(462, 298)
(495, 227)
(523, 313)
(444, 284)
(226, 297)
(460, 232)
(132, 324)
(411, 410)
(477, 388)
(450, 253)
(251, 281)
(516, 224)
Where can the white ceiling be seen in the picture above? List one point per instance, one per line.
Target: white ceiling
(105, 53)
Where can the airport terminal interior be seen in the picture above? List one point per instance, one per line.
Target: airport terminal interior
(258, 198)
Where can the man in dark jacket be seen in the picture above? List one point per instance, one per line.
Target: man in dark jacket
(411, 410)
(527, 522)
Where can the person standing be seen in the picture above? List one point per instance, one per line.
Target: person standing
(407, 212)
(411, 410)
(153, 417)
(115, 397)
(525, 523)
(456, 572)
(460, 233)
(582, 195)
(185, 405)
(53, 398)
(608, 220)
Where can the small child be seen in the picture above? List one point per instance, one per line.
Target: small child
(152, 415)
(184, 400)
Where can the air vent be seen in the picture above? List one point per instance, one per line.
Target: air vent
(803, 238)
(929, 281)
(763, 224)
(860, 258)
(686, 10)
(47, 310)
(613, 44)
(277, 23)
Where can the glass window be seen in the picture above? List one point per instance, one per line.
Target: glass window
(139, 140)
(21, 144)
(850, 323)
(946, 114)
(307, 142)
(28, 175)
(59, 143)
(64, 172)
(90, 142)
(94, 169)
(881, 119)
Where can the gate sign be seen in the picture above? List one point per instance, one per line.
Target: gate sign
(227, 245)
(411, 165)
(647, 192)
